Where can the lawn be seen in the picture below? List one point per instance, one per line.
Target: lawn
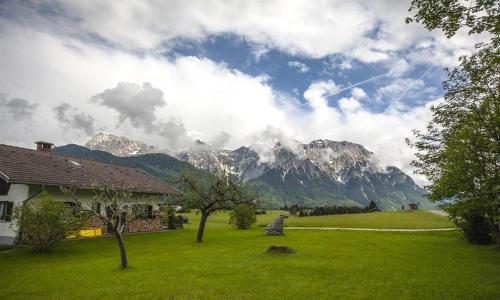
(390, 219)
(232, 264)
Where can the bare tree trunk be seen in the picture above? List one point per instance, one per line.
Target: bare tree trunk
(123, 254)
(201, 227)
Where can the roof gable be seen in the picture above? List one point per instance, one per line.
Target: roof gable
(20, 165)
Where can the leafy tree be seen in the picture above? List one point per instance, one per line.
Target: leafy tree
(116, 207)
(477, 16)
(211, 193)
(44, 222)
(242, 216)
(460, 150)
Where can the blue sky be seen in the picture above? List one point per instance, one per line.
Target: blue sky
(292, 74)
(230, 73)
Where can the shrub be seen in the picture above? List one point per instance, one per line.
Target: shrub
(242, 216)
(476, 227)
(43, 222)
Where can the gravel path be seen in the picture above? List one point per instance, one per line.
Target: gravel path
(373, 229)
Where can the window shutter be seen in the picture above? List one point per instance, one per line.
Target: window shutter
(3, 204)
(8, 214)
(150, 211)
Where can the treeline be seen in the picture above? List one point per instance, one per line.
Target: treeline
(303, 211)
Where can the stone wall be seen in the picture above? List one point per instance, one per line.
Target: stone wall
(144, 225)
(133, 225)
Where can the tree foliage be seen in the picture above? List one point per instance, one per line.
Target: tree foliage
(478, 16)
(44, 222)
(211, 193)
(243, 216)
(460, 150)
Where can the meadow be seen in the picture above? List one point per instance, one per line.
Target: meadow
(232, 264)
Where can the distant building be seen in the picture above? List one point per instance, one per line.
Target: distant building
(413, 206)
(25, 173)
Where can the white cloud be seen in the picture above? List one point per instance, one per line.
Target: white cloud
(383, 133)
(220, 140)
(73, 119)
(133, 102)
(204, 97)
(401, 90)
(369, 31)
(265, 141)
(358, 93)
(297, 65)
(398, 67)
(18, 108)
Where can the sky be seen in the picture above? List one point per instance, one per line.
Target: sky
(229, 73)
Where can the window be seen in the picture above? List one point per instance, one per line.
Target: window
(4, 187)
(142, 211)
(6, 211)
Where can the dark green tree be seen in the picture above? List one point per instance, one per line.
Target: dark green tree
(460, 150)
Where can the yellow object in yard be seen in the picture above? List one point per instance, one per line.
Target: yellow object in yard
(85, 233)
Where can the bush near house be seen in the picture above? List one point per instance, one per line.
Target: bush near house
(44, 222)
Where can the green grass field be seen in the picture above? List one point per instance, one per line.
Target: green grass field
(232, 264)
(390, 219)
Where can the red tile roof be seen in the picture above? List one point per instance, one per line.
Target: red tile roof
(20, 165)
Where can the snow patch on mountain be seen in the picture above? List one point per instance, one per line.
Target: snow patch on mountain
(118, 145)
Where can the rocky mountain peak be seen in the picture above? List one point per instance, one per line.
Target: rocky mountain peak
(117, 145)
(321, 172)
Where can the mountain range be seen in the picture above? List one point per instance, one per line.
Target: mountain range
(319, 173)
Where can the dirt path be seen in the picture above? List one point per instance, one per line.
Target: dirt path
(438, 212)
(373, 229)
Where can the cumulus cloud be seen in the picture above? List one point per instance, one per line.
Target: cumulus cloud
(17, 107)
(135, 103)
(265, 142)
(72, 118)
(369, 31)
(207, 97)
(175, 135)
(358, 93)
(297, 65)
(220, 140)
(381, 132)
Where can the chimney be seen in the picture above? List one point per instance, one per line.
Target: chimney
(44, 146)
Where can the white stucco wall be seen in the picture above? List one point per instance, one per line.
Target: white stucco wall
(20, 192)
(17, 194)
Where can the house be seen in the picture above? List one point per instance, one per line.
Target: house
(25, 173)
(413, 206)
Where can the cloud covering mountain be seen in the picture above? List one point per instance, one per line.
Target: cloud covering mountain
(228, 72)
